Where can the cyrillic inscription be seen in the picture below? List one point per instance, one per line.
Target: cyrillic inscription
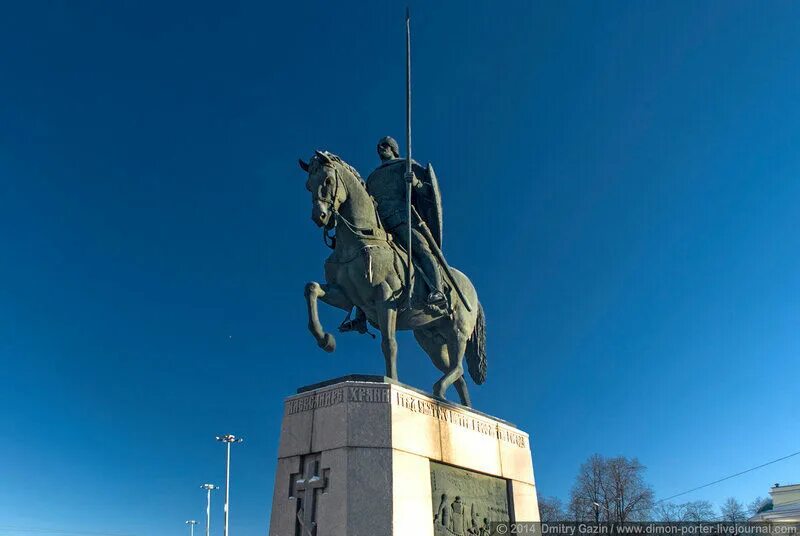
(368, 394)
(382, 395)
(332, 397)
(315, 400)
(470, 422)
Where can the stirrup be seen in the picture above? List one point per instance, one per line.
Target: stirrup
(355, 324)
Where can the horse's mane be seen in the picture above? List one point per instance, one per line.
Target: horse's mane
(337, 159)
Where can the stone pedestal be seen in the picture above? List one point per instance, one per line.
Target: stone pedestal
(363, 456)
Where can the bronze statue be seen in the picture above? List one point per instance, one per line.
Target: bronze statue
(368, 270)
(387, 184)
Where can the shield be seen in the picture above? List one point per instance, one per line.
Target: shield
(430, 206)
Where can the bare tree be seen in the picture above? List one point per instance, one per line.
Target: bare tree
(611, 489)
(587, 497)
(667, 512)
(697, 511)
(631, 498)
(551, 509)
(693, 511)
(756, 505)
(733, 511)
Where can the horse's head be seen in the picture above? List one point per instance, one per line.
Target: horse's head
(329, 179)
(324, 183)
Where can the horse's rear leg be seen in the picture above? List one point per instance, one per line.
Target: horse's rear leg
(387, 322)
(332, 295)
(434, 347)
(463, 392)
(439, 356)
(456, 345)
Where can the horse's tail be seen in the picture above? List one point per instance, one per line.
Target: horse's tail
(476, 349)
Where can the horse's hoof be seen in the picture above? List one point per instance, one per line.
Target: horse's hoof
(328, 343)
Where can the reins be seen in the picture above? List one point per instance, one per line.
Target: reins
(366, 233)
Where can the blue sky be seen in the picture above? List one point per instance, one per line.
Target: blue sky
(620, 182)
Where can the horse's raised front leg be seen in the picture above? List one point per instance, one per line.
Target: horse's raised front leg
(387, 321)
(332, 295)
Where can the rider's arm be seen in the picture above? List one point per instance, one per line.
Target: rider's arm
(420, 187)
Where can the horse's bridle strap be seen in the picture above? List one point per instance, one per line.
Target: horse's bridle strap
(367, 233)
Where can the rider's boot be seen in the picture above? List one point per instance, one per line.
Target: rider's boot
(437, 298)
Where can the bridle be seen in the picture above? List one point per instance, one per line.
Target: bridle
(330, 239)
(327, 238)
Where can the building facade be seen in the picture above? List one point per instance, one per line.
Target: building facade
(784, 506)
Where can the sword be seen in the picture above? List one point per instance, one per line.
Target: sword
(440, 257)
(409, 173)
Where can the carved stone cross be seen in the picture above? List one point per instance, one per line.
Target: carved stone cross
(305, 488)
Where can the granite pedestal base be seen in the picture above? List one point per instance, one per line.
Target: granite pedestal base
(364, 456)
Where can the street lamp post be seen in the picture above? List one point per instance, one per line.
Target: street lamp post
(228, 439)
(191, 524)
(209, 488)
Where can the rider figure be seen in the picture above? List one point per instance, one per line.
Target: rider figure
(387, 184)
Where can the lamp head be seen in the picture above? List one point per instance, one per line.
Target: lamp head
(229, 438)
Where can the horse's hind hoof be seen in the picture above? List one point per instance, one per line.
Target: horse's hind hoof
(328, 343)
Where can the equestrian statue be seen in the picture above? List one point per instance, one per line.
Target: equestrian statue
(368, 269)
(387, 231)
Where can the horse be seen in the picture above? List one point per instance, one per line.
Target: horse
(367, 270)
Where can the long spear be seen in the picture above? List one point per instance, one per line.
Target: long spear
(409, 172)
